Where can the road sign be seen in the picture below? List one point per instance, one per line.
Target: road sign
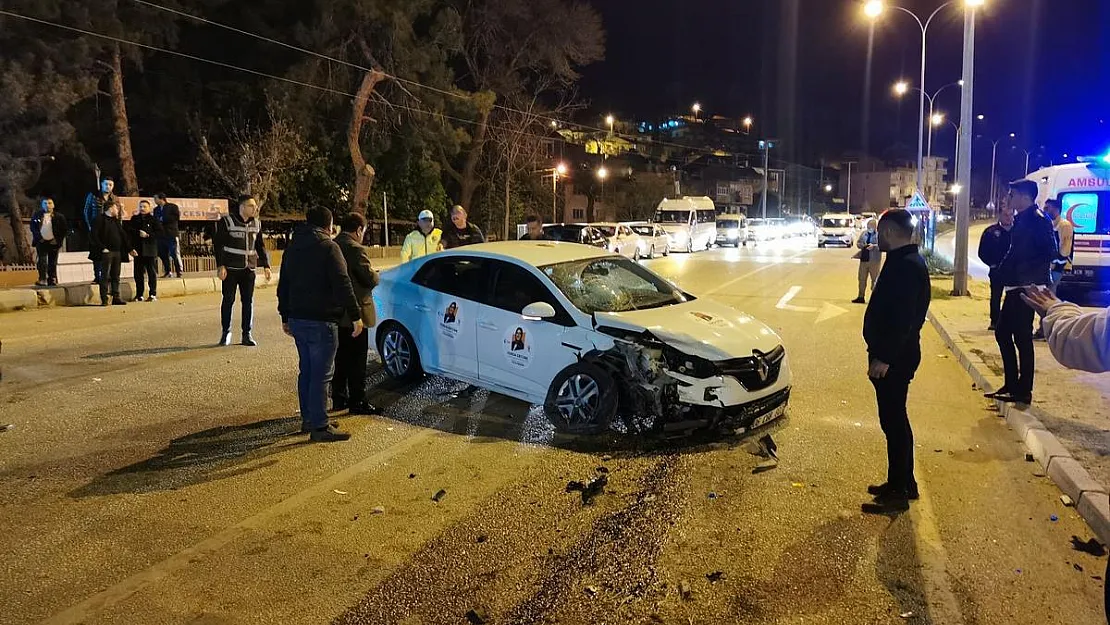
(917, 204)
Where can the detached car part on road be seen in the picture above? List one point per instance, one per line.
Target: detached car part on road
(589, 335)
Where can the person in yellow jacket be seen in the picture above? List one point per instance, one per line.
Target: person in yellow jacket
(424, 240)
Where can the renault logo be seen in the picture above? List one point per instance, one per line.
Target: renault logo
(761, 366)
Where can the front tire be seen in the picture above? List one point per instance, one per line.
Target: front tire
(399, 354)
(582, 399)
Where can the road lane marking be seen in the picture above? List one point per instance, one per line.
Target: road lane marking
(939, 598)
(826, 312)
(755, 271)
(91, 606)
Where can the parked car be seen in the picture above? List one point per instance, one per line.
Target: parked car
(654, 238)
(690, 222)
(576, 233)
(801, 227)
(732, 230)
(587, 334)
(762, 230)
(622, 239)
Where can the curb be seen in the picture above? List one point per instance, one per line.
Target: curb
(1090, 497)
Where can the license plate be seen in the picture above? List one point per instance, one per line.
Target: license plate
(769, 417)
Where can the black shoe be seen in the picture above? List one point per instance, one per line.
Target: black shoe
(891, 503)
(225, 339)
(859, 300)
(998, 393)
(103, 302)
(1014, 398)
(165, 275)
(305, 429)
(339, 404)
(118, 302)
(1038, 335)
(249, 341)
(879, 490)
(364, 408)
(990, 328)
(330, 434)
(179, 276)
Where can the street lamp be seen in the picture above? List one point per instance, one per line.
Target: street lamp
(828, 188)
(609, 119)
(902, 87)
(558, 170)
(748, 121)
(874, 9)
(956, 188)
(697, 109)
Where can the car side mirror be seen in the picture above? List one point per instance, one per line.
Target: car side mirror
(538, 310)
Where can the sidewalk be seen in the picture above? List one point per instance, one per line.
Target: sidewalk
(1071, 407)
(88, 294)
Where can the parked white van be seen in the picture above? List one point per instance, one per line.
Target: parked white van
(836, 229)
(691, 222)
(732, 230)
(1083, 190)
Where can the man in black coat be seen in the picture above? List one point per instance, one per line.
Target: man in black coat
(1028, 263)
(892, 331)
(993, 246)
(461, 232)
(144, 232)
(169, 243)
(314, 293)
(48, 232)
(96, 204)
(108, 243)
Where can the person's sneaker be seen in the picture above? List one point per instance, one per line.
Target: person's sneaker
(249, 341)
(152, 298)
(364, 408)
(118, 302)
(877, 490)
(179, 276)
(330, 434)
(225, 339)
(138, 298)
(859, 300)
(40, 282)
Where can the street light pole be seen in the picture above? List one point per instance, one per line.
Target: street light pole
(963, 200)
(848, 200)
(766, 163)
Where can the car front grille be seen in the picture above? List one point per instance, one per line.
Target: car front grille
(755, 372)
(744, 414)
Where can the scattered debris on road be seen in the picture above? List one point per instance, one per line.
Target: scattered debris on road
(575, 486)
(1078, 567)
(412, 475)
(482, 538)
(377, 510)
(1054, 518)
(591, 590)
(765, 466)
(606, 458)
(797, 484)
(477, 616)
(589, 490)
(684, 590)
(715, 576)
(339, 492)
(98, 379)
(1029, 457)
(6, 427)
(1067, 501)
(906, 615)
(1092, 546)
(712, 495)
(440, 494)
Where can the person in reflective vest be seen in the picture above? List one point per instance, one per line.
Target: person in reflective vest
(239, 251)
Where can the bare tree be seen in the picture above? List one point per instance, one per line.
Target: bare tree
(252, 159)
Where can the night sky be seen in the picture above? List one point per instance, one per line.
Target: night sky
(1042, 70)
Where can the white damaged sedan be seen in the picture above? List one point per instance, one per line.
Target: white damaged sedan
(587, 334)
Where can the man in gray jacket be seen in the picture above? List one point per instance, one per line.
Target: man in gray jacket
(348, 385)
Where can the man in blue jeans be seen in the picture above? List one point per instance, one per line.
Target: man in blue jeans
(314, 292)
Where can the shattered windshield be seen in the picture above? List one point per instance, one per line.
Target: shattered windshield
(612, 285)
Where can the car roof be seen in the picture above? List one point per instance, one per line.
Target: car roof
(536, 253)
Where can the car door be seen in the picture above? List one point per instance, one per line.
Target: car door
(445, 315)
(516, 355)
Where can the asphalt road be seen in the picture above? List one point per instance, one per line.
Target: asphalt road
(152, 478)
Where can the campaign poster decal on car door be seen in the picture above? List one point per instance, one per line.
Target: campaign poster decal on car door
(449, 323)
(518, 348)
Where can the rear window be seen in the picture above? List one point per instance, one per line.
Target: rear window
(644, 231)
(1089, 212)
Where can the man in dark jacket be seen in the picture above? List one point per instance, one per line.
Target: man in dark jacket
(1032, 250)
(460, 232)
(314, 293)
(348, 387)
(96, 204)
(169, 245)
(108, 242)
(892, 331)
(48, 232)
(534, 229)
(993, 246)
(144, 230)
(239, 250)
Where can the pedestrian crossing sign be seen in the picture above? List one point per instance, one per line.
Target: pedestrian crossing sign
(917, 204)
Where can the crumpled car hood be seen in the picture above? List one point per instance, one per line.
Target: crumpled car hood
(702, 328)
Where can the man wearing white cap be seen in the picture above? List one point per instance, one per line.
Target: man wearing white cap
(424, 240)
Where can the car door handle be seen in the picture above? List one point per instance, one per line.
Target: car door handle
(486, 325)
(422, 307)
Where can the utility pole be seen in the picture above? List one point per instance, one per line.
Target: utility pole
(766, 147)
(963, 200)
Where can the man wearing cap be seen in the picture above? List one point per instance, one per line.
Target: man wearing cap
(460, 232)
(424, 240)
(1027, 263)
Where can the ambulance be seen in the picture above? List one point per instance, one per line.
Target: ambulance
(1083, 190)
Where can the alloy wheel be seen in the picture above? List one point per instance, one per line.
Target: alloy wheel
(396, 353)
(578, 400)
